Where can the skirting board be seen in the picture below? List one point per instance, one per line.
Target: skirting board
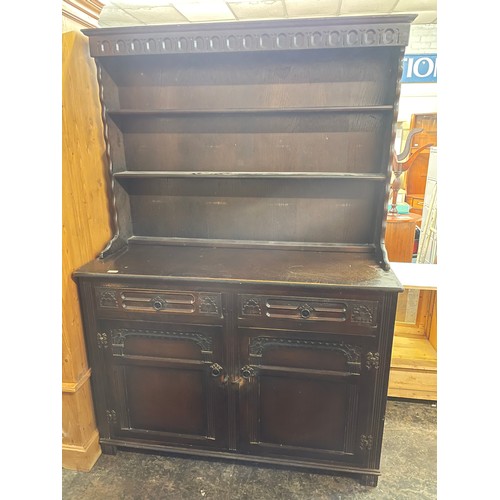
(81, 458)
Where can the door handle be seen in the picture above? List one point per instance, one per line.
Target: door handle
(247, 372)
(217, 370)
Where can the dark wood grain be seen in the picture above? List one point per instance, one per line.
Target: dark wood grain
(245, 307)
(335, 141)
(171, 263)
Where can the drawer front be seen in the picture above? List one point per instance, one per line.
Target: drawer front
(112, 299)
(303, 313)
(415, 202)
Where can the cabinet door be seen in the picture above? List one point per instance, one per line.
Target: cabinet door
(166, 383)
(304, 395)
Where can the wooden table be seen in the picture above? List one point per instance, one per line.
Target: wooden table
(400, 236)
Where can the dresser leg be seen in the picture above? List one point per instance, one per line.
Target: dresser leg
(368, 480)
(108, 449)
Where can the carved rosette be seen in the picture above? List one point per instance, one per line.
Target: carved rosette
(365, 442)
(209, 304)
(363, 313)
(251, 307)
(372, 360)
(111, 416)
(102, 340)
(107, 298)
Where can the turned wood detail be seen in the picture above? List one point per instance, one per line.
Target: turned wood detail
(118, 240)
(401, 163)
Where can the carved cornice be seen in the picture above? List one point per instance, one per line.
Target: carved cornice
(250, 36)
(84, 12)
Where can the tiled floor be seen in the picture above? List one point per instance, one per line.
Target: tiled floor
(408, 471)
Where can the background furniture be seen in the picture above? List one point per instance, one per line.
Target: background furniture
(245, 306)
(400, 236)
(427, 249)
(416, 176)
(413, 372)
(85, 231)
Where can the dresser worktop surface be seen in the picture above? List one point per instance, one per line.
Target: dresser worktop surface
(244, 265)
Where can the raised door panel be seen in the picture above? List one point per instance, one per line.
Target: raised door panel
(166, 383)
(304, 396)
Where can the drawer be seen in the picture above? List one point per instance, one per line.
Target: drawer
(309, 313)
(415, 202)
(113, 299)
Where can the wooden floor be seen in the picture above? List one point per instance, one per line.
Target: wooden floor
(413, 368)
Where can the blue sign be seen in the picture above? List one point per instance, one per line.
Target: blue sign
(419, 68)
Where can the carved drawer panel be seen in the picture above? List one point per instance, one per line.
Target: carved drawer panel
(136, 300)
(297, 312)
(303, 353)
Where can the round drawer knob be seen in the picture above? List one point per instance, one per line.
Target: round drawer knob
(305, 313)
(158, 304)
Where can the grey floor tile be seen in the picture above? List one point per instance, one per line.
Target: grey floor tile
(408, 472)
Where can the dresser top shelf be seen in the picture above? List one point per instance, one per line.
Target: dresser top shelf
(244, 265)
(255, 35)
(251, 151)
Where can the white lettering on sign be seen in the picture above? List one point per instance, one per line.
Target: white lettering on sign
(420, 68)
